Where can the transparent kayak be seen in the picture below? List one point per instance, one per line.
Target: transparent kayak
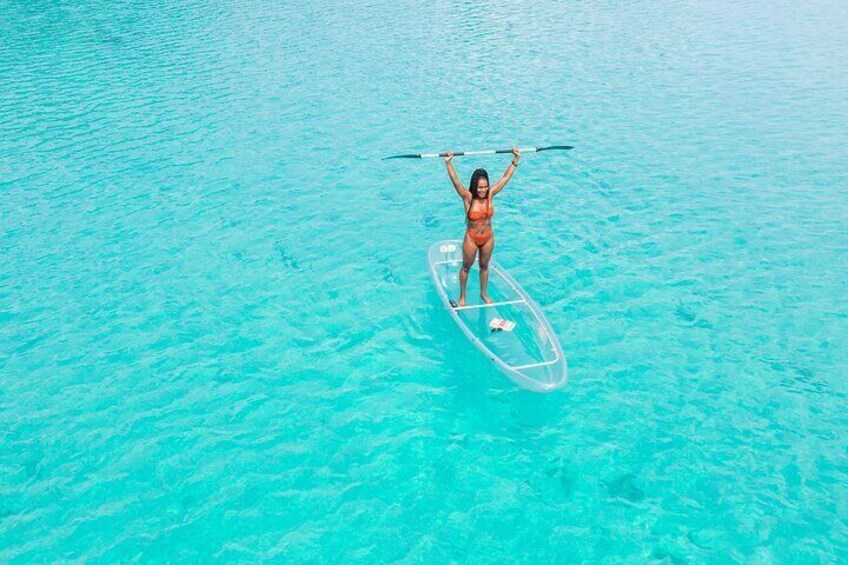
(529, 352)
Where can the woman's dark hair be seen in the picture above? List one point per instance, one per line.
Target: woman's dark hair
(475, 178)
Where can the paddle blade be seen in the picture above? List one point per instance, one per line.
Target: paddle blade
(406, 156)
(558, 147)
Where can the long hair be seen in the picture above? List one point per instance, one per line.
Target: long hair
(475, 178)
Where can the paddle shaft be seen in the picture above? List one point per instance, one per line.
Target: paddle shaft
(484, 152)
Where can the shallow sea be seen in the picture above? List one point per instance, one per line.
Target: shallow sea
(219, 340)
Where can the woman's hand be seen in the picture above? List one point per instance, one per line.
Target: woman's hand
(516, 152)
(448, 156)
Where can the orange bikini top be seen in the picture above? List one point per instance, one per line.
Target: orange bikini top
(481, 214)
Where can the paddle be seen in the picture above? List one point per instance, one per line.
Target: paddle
(486, 152)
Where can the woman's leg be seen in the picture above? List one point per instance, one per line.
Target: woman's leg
(485, 254)
(469, 251)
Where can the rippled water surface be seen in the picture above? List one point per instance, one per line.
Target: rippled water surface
(219, 340)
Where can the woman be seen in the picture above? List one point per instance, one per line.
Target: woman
(479, 235)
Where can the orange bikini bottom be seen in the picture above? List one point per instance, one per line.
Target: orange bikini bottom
(480, 238)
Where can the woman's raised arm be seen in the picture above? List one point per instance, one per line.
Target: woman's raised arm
(516, 152)
(457, 185)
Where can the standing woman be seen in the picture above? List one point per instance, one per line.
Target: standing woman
(479, 236)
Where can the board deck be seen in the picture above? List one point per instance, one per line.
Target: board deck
(530, 354)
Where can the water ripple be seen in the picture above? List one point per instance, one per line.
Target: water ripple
(219, 339)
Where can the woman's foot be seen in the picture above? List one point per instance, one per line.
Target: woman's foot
(461, 300)
(486, 299)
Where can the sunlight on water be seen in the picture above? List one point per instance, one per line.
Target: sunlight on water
(219, 340)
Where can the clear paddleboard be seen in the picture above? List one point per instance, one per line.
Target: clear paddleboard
(512, 331)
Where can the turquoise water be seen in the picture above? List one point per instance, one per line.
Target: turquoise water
(219, 340)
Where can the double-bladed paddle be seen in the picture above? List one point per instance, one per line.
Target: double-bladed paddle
(485, 152)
